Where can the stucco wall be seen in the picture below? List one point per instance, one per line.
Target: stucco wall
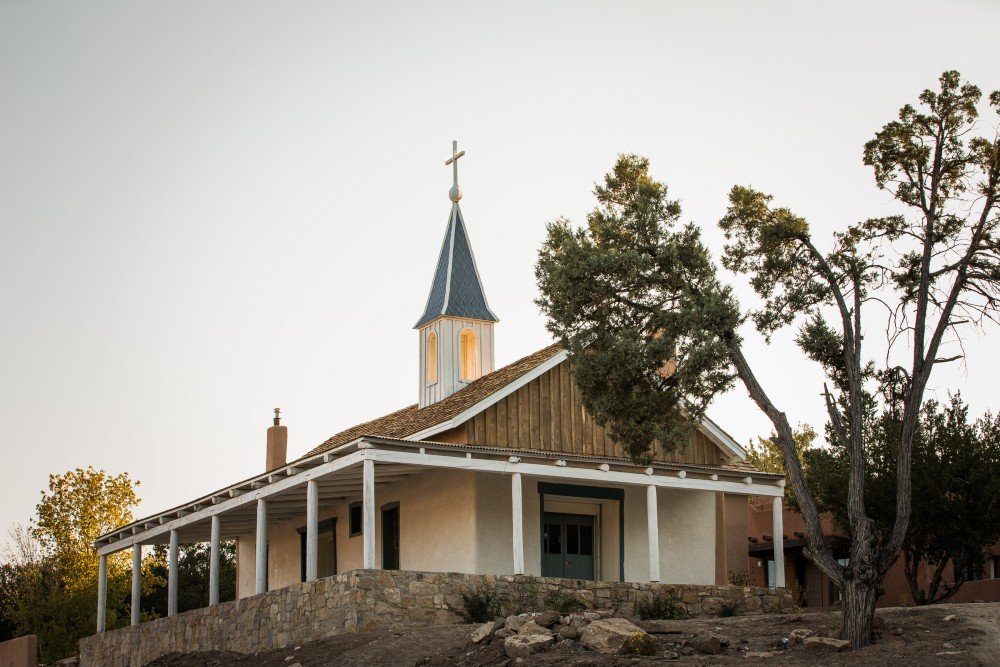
(687, 536)
(460, 521)
(437, 531)
(736, 535)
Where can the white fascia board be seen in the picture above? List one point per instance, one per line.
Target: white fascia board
(574, 471)
(495, 397)
(278, 486)
(721, 438)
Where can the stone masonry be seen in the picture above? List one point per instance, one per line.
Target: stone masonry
(383, 599)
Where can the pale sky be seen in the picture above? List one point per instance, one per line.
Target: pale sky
(210, 209)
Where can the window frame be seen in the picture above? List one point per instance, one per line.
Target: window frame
(429, 362)
(356, 505)
(324, 526)
(475, 372)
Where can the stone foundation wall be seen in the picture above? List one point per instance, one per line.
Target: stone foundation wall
(381, 599)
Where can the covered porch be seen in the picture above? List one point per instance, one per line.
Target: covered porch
(538, 525)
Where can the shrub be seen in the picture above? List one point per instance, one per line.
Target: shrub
(729, 609)
(481, 604)
(660, 607)
(639, 644)
(563, 602)
(740, 578)
(800, 594)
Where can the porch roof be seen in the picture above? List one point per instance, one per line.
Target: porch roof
(338, 475)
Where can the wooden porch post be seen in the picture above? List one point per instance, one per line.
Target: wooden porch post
(312, 533)
(172, 573)
(368, 513)
(261, 564)
(102, 590)
(779, 544)
(518, 520)
(136, 581)
(653, 532)
(213, 562)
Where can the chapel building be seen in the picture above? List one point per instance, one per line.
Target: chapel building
(490, 471)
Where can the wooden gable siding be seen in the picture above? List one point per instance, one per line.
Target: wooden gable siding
(546, 415)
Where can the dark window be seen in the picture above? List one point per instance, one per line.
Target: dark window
(572, 538)
(390, 537)
(974, 572)
(326, 542)
(553, 538)
(354, 512)
(586, 540)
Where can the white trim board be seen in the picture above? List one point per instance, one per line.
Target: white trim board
(575, 472)
(249, 497)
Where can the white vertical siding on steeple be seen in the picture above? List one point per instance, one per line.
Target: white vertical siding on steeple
(448, 381)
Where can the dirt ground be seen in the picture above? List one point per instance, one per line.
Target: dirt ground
(906, 636)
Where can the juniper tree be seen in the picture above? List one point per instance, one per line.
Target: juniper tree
(653, 335)
(956, 491)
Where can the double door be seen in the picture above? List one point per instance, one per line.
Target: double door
(567, 545)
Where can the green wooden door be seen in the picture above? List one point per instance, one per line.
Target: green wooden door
(568, 546)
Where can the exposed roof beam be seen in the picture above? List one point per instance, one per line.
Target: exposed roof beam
(188, 518)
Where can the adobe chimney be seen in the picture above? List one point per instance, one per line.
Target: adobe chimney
(277, 443)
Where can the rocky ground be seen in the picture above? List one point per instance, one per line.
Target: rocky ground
(956, 634)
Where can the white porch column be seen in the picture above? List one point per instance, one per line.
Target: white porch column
(102, 590)
(518, 519)
(136, 581)
(172, 573)
(368, 514)
(261, 569)
(653, 532)
(312, 529)
(779, 544)
(213, 561)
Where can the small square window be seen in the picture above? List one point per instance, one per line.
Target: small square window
(354, 519)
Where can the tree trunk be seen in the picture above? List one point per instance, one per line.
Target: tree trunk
(859, 613)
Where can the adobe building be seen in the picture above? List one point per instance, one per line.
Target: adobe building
(982, 584)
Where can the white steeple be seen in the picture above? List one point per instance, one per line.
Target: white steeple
(456, 329)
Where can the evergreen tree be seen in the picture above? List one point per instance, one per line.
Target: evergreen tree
(653, 335)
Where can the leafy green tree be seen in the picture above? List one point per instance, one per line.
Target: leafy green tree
(634, 289)
(56, 589)
(193, 564)
(766, 455)
(956, 484)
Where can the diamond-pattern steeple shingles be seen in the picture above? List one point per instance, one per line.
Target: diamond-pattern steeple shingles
(456, 290)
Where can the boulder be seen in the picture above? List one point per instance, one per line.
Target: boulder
(532, 628)
(949, 618)
(826, 644)
(567, 632)
(485, 631)
(547, 618)
(799, 634)
(706, 643)
(503, 633)
(515, 622)
(521, 646)
(609, 635)
(671, 655)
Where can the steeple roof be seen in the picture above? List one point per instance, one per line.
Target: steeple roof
(456, 290)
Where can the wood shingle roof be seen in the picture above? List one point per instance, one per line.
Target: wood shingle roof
(411, 419)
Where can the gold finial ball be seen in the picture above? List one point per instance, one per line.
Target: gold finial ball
(455, 193)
